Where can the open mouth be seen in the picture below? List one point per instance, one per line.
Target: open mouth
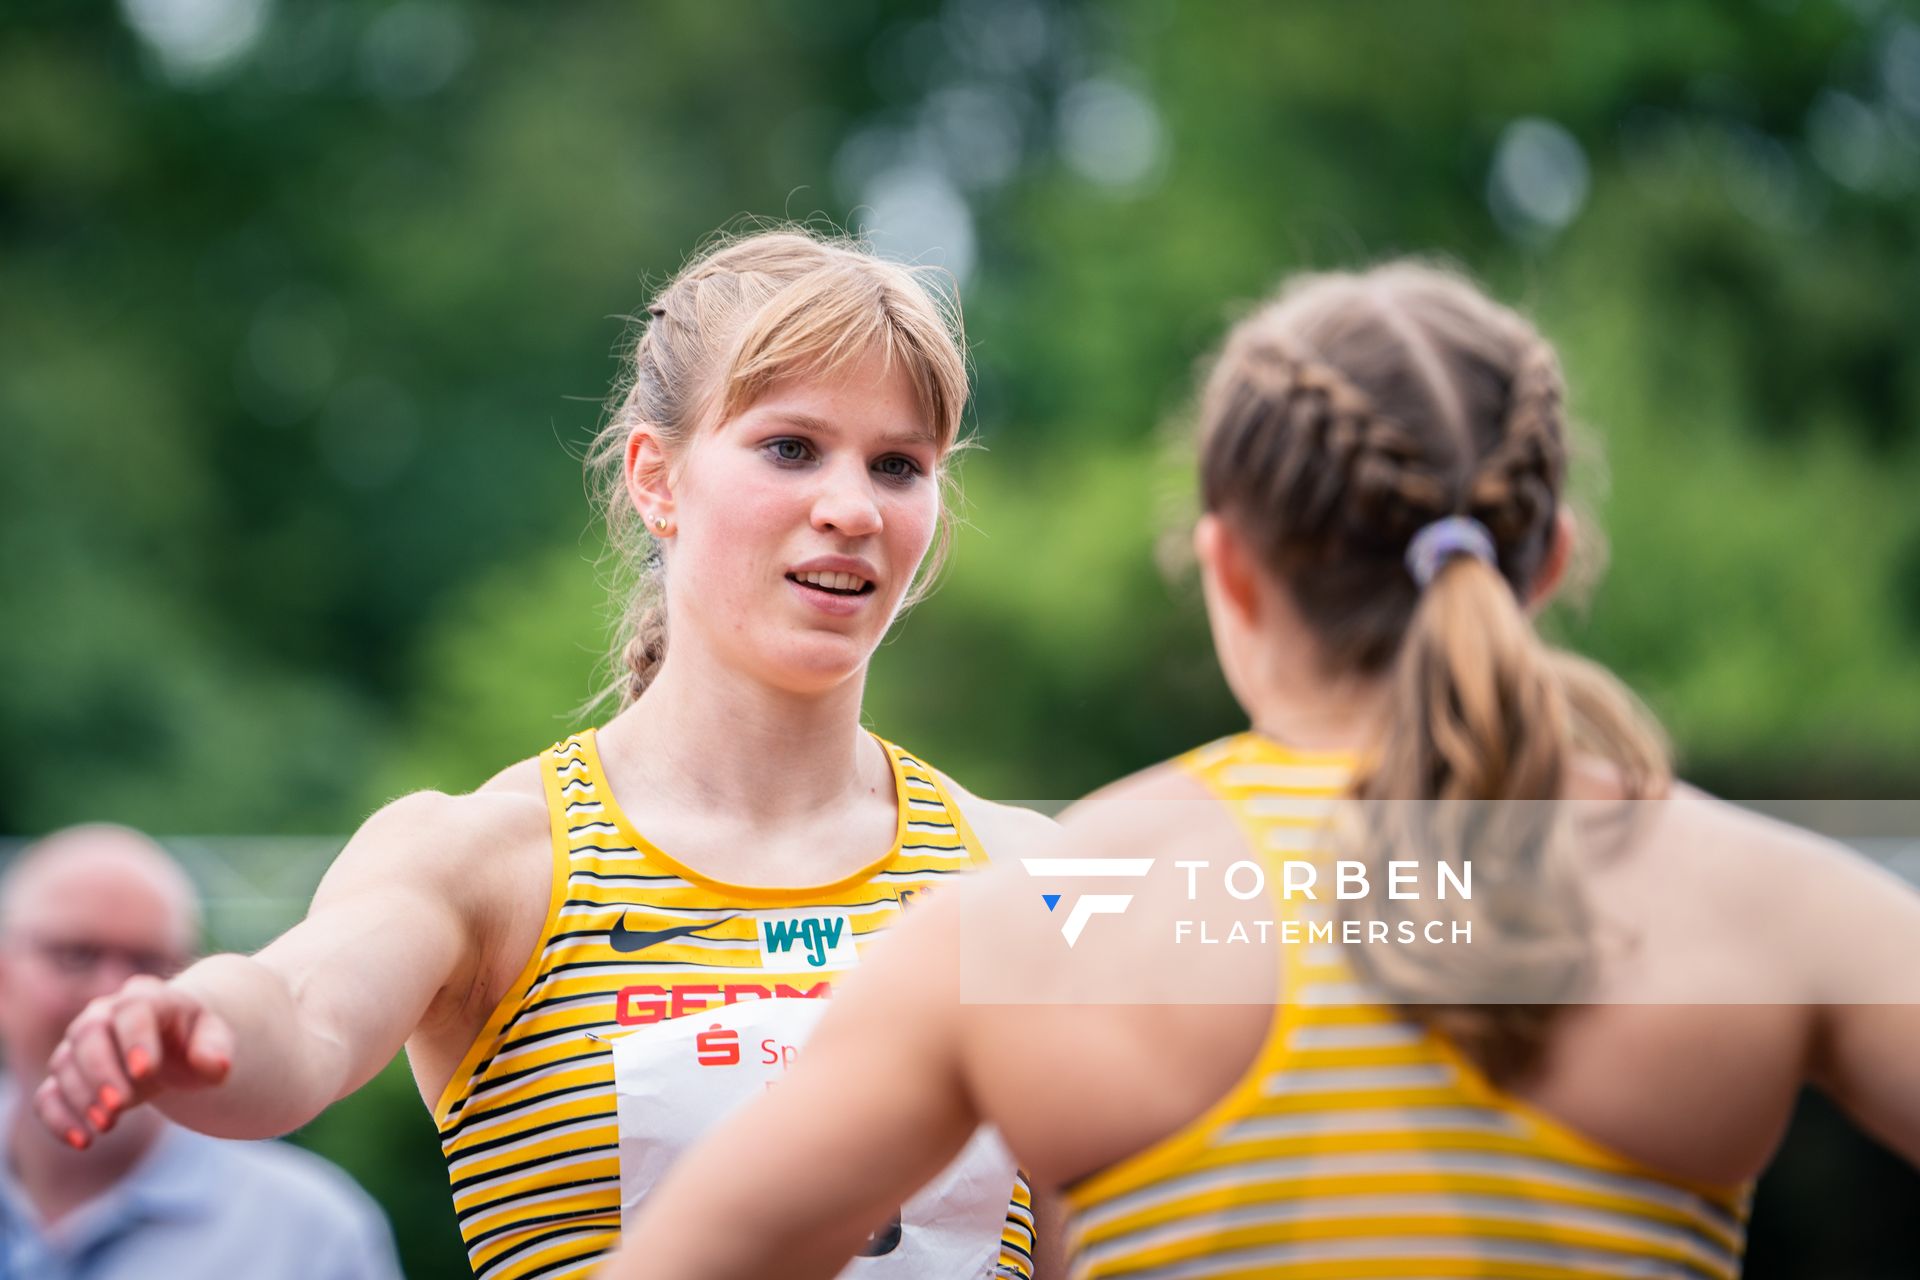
(838, 584)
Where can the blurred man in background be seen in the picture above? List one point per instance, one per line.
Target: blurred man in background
(80, 912)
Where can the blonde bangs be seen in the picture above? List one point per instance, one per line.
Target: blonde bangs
(826, 322)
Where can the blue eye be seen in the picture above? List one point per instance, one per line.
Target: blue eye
(896, 467)
(789, 449)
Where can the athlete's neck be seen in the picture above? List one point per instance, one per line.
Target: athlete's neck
(1297, 705)
(56, 1178)
(709, 736)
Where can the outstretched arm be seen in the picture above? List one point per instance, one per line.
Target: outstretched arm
(874, 1107)
(1867, 1029)
(250, 1047)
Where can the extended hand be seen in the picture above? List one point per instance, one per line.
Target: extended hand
(144, 1039)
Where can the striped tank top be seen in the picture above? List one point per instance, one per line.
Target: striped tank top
(1360, 1144)
(633, 937)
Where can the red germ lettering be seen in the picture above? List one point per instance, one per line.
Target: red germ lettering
(637, 1005)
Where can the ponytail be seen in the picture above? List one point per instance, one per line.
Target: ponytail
(1394, 445)
(1485, 725)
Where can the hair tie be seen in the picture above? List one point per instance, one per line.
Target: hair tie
(1444, 539)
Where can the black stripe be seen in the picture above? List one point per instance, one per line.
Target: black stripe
(493, 1233)
(510, 1170)
(538, 1099)
(550, 1001)
(552, 1267)
(537, 1241)
(571, 965)
(610, 875)
(490, 1205)
(603, 932)
(577, 1029)
(737, 911)
(616, 848)
(1008, 1244)
(524, 1072)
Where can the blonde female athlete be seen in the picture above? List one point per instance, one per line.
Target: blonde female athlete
(600, 951)
(1383, 457)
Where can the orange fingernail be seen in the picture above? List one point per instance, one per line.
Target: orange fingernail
(109, 1097)
(98, 1117)
(77, 1140)
(138, 1062)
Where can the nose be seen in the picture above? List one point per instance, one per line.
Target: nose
(845, 503)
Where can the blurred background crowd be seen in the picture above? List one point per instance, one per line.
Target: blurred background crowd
(309, 307)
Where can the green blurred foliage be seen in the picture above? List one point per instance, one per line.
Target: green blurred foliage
(301, 339)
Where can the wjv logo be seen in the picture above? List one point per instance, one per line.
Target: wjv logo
(1087, 905)
(826, 940)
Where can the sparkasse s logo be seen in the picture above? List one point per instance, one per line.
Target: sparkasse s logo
(717, 1046)
(1087, 905)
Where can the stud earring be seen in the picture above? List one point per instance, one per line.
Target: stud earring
(659, 524)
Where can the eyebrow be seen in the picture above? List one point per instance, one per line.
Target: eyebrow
(820, 426)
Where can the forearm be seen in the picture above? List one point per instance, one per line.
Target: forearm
(283, 1071)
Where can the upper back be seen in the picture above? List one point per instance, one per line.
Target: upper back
(1264, 1092)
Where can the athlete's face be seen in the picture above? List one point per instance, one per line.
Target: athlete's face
(99, 911)
(799, 524)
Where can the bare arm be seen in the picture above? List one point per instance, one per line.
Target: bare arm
(811, 1184)
(251, 1047)
(1867, 1028)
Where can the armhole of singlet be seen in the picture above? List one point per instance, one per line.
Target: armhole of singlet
(509, 1004)
(1168, 1154)
(1568, 1141)
(968, 836)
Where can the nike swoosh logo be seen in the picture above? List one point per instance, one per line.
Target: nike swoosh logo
(626, 941)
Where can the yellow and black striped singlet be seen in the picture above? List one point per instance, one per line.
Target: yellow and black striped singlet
(1359, 1144)
(528, 1122)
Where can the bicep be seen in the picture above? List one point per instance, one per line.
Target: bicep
(1868, 1026)
(1864, 1062)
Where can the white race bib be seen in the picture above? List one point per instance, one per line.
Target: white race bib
(677, 1079)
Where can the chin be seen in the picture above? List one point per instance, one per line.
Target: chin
(816, 663)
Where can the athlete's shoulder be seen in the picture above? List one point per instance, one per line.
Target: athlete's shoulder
(1750, 856)
(1143, 809)
(443, 838)
(1005, 830)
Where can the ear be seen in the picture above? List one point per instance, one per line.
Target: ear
(1553, 569)
(1226, 568)
(649, 478)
